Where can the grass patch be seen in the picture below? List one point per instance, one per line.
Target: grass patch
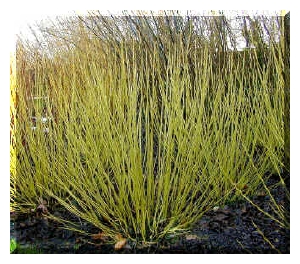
(15, 248)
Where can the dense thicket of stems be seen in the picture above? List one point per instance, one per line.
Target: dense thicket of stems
(139, 124)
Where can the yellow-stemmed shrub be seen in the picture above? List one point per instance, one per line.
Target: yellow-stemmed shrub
(141, 134)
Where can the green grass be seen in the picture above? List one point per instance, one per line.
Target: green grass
(146, 133)
(15, 248)
(13, 245)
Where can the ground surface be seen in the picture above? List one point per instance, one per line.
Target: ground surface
(228, 229)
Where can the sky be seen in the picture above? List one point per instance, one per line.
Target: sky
(31, 18)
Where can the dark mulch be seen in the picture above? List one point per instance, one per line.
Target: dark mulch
(228, 229)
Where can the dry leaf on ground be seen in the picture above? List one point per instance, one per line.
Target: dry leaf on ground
(42, 208)
(99, 236)
(121, 242)
(191, 237)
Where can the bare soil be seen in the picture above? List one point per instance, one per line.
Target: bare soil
(228, 229)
